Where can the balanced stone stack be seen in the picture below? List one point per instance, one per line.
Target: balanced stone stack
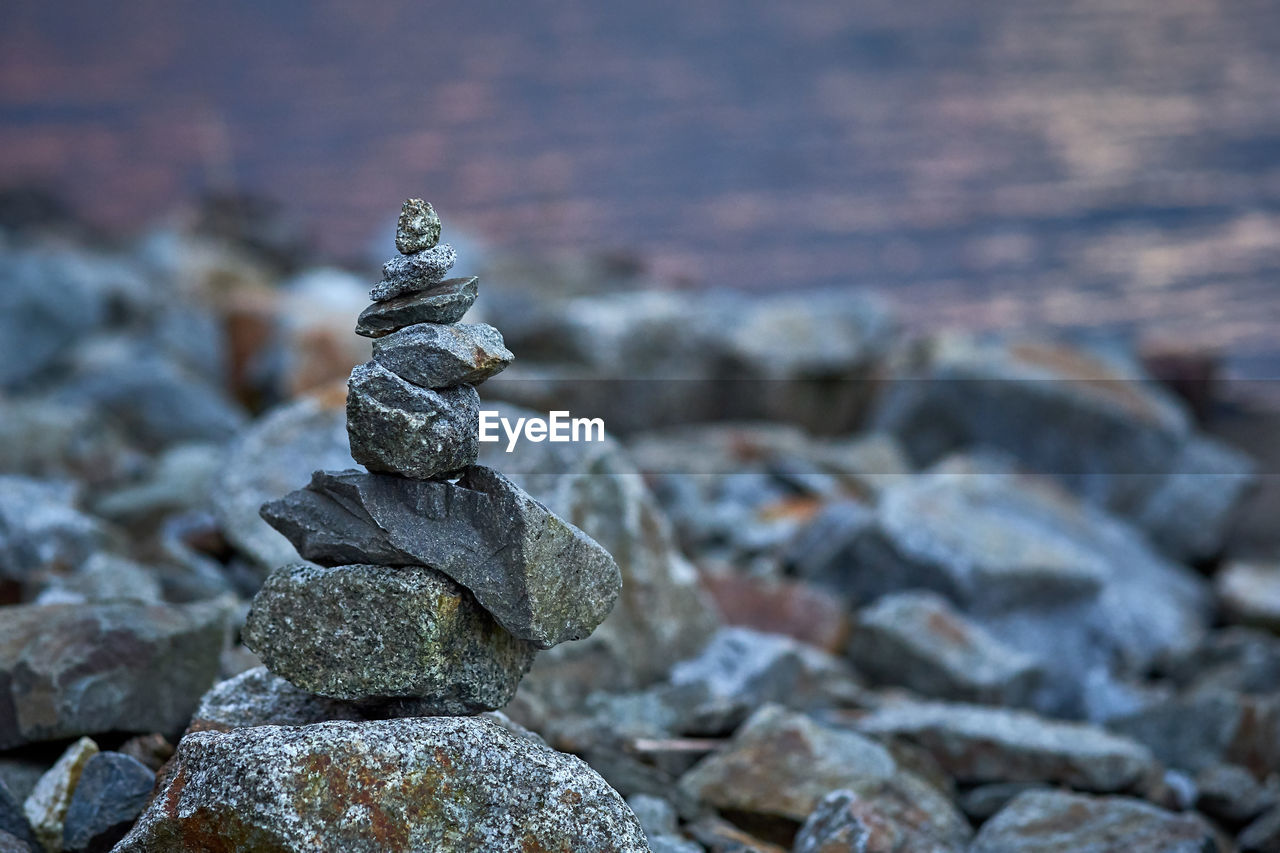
(432, 581)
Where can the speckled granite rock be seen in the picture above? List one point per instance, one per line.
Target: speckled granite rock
(845, 821)
(394, 785)
(418, 227)
(411, 273)
(445, 302)
(543, 579)
(365, 633)
(436, 355)
(1052, 821)
(398, 427)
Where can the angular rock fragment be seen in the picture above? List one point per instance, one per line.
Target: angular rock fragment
(543, 579)
(1052, 821)
(418, 227)
(438, 356)
(458, 783)
(979, 744)
(402, 428)
(46, 807)
(781, 764)
(917, 640)
(844, 821)
(258, 697)
(365, 633)
(72, 669)
(112, 792)
(411, 273)
(445, 302)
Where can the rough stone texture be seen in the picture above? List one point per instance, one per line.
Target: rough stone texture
(662, 615)
(1078, 590)
(418, 227)
(1090, 420)
(13, 819)
(917, 640)
(112, 792)
(1250, 593)
(394, 785)
(978, 744)
(438, 356)
(543, 579)
(399, 427)
(72, 669)
(364, 633)
(781, 764)
(269, 459)
(845, 822)
(445, 302)
(1053, 821)
(46, 807)
(411, 273)
(258, 697)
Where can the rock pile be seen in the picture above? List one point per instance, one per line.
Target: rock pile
(431, 585)
(438, 579)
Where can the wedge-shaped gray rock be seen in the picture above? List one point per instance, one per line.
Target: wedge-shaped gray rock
(396, 426)
(445, 302)
(440, 783)
(543, 579)
(418, 227)
(438, 356)
(363, 633)
(411, 273)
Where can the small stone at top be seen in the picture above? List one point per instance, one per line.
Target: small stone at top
(418, 228)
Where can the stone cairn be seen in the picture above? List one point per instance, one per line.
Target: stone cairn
(432, 581)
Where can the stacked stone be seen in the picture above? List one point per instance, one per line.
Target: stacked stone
(432, 581)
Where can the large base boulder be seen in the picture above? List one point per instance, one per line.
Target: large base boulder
(437, 783)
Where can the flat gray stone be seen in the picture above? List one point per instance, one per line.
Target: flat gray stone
(543, 579)
(73, 669)
(1053, 821)
(418, 227)
(977, 744)
(445, 302)
(435, 783)
(112, 791)
(411, 273)
(919, 641)
(363, 633)
(402, 428)
(433, 355)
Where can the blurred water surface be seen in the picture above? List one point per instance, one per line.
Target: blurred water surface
(1063, 163)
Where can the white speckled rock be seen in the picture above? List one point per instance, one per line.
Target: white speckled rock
(440, 783)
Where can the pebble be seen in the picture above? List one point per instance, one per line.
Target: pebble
(46, 807)
(418, 227)
(412, 273)
(401, 428)
(111, 793)
(432, 355)
(445, 302)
